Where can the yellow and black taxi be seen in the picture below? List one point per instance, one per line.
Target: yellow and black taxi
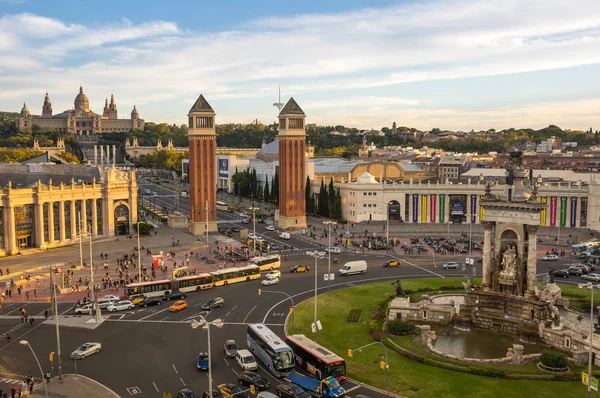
(391, 263)
(231, 390)
(299, 268)
(136, 298)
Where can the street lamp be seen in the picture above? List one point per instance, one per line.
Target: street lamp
(330, 223)
(387, 226)
(206, 325)
(590, 286)
(317, 255)
(253, 209)
(386, 358)
(25, 342)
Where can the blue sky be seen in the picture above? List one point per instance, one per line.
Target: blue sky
(451, 64)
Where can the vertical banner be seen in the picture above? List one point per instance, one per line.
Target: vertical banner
(424, 209)
(583, 212)
(442, 208)
(544, 213)
(573, 211)
(432, 207)
(415, 207)
(481, 209)
(553, 211)
(563, 211)
(473, 208)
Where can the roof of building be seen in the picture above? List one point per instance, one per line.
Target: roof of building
(25, 175)
(201, 105)
(291, 108)
(410, 167)
(453, 160)
(272, 148)
(565, 175)
(333, 165)
(366, 178)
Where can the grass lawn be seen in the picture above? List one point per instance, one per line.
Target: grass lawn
(406, 377)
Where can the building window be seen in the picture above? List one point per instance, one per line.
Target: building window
(364, 205)
(296, 123)
(364, 194)
(375, 205)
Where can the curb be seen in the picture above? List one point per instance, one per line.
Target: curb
(379, 390)
(109, 392)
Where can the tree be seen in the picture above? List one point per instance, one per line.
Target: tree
(68, 157)
(308, 196)
(323, 203)
(330, 200)
(241, 183)
(267, 193)
(275, 189)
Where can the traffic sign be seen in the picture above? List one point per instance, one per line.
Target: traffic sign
(326, 277)
(331, 276)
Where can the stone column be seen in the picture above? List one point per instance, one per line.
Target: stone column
(73, 220)
(83, 216)
(95, 155)
(101, 155)
(10, 240)
(39, 225)
(531, 259)
(50, 222)
(114, 148)
(61, 221)
(487, 255)
(94, 218)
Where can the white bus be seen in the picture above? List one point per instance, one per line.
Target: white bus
(222, 206)
(193, 283)
(234, 275)
(267, 263)
(273, 352)
(149, 289)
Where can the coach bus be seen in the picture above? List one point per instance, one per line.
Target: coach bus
(591, 247)
(274, 354)
(223, 206)
(193, 283)
(234, 275)
(149, 289)
(315, 359)
(267, 263)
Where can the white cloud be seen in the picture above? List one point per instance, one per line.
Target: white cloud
(321, 58)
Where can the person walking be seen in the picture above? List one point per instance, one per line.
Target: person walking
(13, 391)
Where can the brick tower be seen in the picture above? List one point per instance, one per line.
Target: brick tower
(202, 140)
(292, 166)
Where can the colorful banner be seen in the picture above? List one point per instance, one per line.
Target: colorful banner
(481, 209)
(544, 213)
(573, 211)
(432, 207)
(415, 214)
(442, 208)
(424, 209)
(553, 211)
(473, 208)
(563, 211)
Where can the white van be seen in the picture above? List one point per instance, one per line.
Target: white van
(284, 235)
(354, 267)
(246, 360)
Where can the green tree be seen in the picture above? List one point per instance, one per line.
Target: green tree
(330, 200)
(275, 189)
(267, 193)
(308, 196)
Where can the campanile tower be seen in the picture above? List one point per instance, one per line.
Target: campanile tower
(202, 140)
(292, 166)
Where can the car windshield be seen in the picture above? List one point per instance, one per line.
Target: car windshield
(203, 358)
(235, 389)
(334, 385)
(296, 390)
(210, 302)
(249, 360)
(284, 360)
(83, 347)
(231, 346)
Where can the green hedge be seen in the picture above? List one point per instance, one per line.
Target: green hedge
(399, 327)
(428, 289)
(354, 315)
(490, 372)
(554, 359)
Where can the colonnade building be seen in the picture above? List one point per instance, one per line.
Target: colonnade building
(41, 204)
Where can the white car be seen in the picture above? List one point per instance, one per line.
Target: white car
(84, 309)
(109, 297)
(270, 281)
(333, 250)
(273, 274)
(270, 228)
(450, 265)
(550, 257)
(120, 306)
(86, 350)
(591, 277)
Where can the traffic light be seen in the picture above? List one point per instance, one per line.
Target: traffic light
(349, 353)
(259, 292)
(291, 309)
(252, 390)
(382, 365)
(52, 356)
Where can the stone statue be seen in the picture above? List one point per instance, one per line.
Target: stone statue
(509, 263)
(551, 275)
(554, 314)
(399, 290)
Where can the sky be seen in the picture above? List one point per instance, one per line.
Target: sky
(450, 64)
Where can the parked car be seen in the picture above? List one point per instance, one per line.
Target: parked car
(247, 378)
(202, 363)
(591, 277)
(174, 296)
(273, 274)
(450, 265)
(213, 303)
(215, 394)
(148, 301)
(299, 268)
(550, 257)
(290, 390)
(177, 306)
(231, 391)
(391, 263)
(84, 309)
(231, 348)
(186, 393)
(561, 273)
(85, 350)
(575, 271)
(122, 305)
(105, 301)
(333, 250)
(583, 267)
(270, 228)
(269, 281)
(109, 297)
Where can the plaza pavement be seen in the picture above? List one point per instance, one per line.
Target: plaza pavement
(73, 386)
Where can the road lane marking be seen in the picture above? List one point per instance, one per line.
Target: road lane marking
(182, 381)
(417, 266)
(249, 314)
(154, 313)
(225, 359)
(154, 384)
(175, 368)
(353, 388)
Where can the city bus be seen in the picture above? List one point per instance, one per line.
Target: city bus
(193, 283)
(591, 247)
(234, 275)
(149, 289)
(275, 355)
(223, 206)
(315, 359)
(267, 263)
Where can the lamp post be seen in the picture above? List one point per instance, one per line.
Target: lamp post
(316, 255)
(330, 223)
(206, 209)
(260, 291)
(448, 236)
(25, 342)
(55, 307)
(386, 358)
(387, 226)
(139, 254)
(590, 286)
(253, 209)
(206, 325)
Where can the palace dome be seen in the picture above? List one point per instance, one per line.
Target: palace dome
(82, 103)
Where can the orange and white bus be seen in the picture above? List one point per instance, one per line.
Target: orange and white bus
(149, 289)
(316, 359)
(193, 283)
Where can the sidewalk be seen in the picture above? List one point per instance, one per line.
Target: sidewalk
(73, 386)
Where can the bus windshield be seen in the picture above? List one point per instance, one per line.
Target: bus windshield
(337, 369)
(284, 360)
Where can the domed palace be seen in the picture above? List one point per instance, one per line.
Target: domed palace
(80, 120)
